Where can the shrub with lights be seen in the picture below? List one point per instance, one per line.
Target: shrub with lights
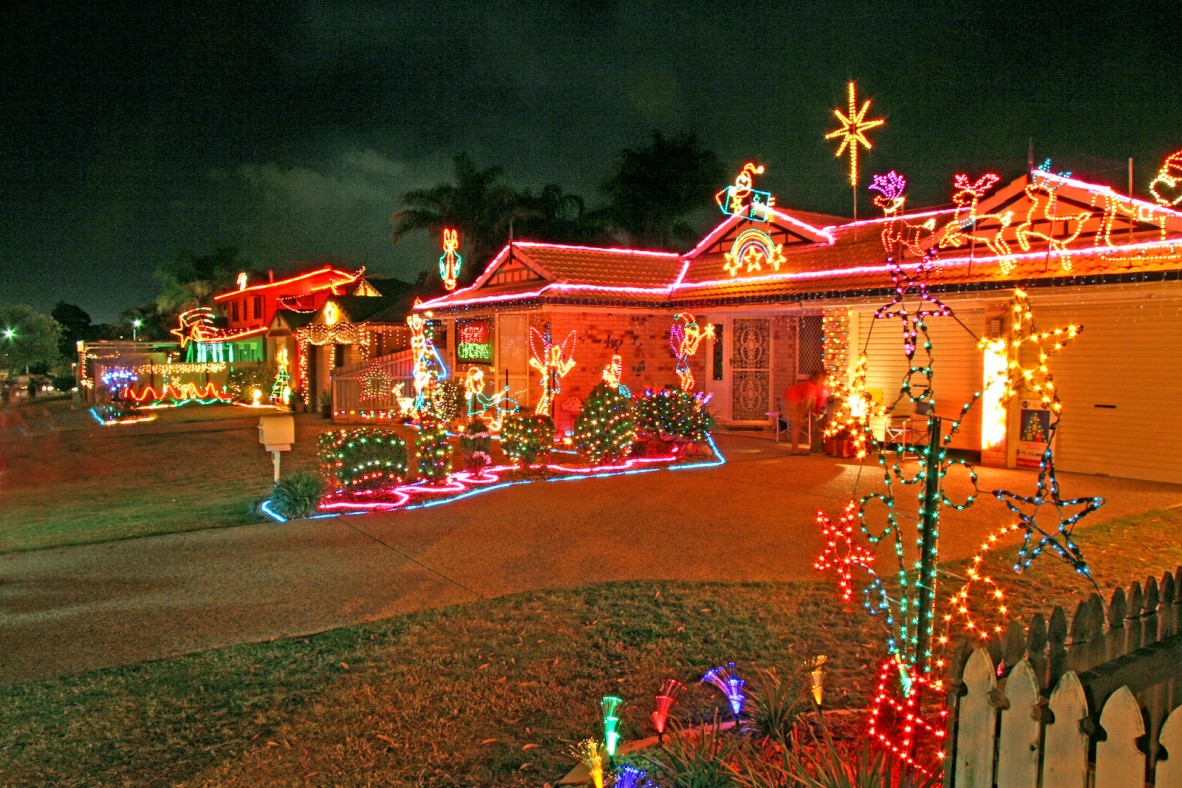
(527, 438)
(445, 401)
(362, 459)
(475, 446)
(241, 382)
(604, 429)
(673, 414)
(434, 452)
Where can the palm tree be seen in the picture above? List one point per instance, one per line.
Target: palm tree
(657, 185)
(560, 217)
(477, 205)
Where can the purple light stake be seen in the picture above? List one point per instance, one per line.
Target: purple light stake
(628, 776)
(611, 722)
(726, 678)
(669, 692)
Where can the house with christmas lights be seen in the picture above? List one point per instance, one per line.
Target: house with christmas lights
(774, 294)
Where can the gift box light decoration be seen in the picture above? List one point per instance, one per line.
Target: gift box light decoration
(449, 264)
(684, 338)
(726, 678)
(670, 690)
(552, 361)
(610, 705)
(740, 199)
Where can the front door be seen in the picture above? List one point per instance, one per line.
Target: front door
(751, 363)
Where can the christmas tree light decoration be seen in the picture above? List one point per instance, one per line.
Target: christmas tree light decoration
(553, 362)
(841, 552)
(727, 680)
(684, 337)
(741, 200)
(664, 703)
(610, 706)
(853, 130)
(1026, 509)
(905, 285)
(1042, 193)
(1166, 188)
(281, 387)
(376, 382)
(449, 264)
(593, 755)
(965, 219)
(753, 248)
(629, 776)
(899, 236)
(604, 428)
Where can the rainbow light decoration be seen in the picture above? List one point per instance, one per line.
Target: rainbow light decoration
(610, 705)
(449, 264)
(741, 200)
(1166, 188)
(853, 130)
(665, 700)
(752, 249)
(684, 338)
(553, 362)
(726, 678)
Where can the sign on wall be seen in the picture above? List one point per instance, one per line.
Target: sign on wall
(474, 338)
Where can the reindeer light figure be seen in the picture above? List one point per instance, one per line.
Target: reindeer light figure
(553, 362)
(898, 232)
(684, 338)
(965, 220)
(1042, 193)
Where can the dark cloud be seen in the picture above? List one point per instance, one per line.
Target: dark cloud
(290, 129)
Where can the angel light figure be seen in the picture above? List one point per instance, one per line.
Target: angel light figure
(553, 362)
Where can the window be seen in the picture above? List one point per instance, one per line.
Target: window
(716, 354)
(474, 341)
(810, 346)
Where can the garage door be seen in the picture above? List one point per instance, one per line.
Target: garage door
(1120, 382)
(957, 365)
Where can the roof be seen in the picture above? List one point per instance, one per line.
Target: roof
(325, 278)
(1040, 227)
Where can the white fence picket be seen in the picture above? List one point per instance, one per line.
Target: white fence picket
(1065, 748)
(1169, 771)
(974, 746)
(1118, 761)
(1017, 757)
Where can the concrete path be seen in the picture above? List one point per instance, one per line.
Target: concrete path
(72, 609)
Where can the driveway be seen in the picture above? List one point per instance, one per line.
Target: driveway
(73, 609)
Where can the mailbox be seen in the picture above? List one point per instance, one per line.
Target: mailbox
(277, 433)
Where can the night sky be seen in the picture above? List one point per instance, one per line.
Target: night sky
(289, 130)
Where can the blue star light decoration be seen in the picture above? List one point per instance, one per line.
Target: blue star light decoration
(1026, 509)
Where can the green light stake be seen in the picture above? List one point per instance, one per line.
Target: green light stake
(611, 722)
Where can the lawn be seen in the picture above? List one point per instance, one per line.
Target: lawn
(71, 481)
(490, 693)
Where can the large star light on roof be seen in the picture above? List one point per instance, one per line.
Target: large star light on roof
(853, 131)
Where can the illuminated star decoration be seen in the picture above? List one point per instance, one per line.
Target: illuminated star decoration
(376, 382)
(1026, 509)
(853, 131)
(913, 322)
(684, 338)
(1166, 188)
(841, 552)
(553, 362)
(449, 264)
(1023, 335)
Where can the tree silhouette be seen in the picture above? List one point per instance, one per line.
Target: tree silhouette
(560, 217)
(191, 280)
(656, 186)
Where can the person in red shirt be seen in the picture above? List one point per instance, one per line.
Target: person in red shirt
(801, 402)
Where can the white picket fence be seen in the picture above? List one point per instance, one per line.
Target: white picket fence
(347, 404)
(1101, 710)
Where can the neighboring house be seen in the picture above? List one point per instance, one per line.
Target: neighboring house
(767, 280)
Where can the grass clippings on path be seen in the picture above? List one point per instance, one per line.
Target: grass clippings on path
(490, 693)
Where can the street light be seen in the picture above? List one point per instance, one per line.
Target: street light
(9, 333)
(135, 326)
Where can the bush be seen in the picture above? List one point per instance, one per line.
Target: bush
(475, 447)
(298, 495)
(434, 452)
(65, 382)
(446, 401)
(527, 439)
(363, 458)
(673, 413)
(604, 428)
(242, 381)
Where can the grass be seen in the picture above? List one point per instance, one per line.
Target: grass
(491, 693)
(72, 481)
